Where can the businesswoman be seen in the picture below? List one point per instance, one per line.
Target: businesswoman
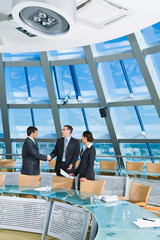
(87, 155)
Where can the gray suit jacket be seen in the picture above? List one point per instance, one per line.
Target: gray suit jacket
(31, 158)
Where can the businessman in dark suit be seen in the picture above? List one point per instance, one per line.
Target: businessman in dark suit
(30, 154)
(66, 150)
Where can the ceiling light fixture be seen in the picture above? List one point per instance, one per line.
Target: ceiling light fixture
(47, 18)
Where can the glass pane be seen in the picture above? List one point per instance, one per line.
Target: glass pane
(85, 81)
(126, 122)
(19, 121)
(135, 77)
(150, 120)
(66, 53)
(113, 78)
(16, 87)
(96, 124)
(155, 147)
(134, 149)
(114, 46)
(152, 33)
(17, 149)
(2, 149)
(1, 127)
(44, 122)
(45, 148)
(74, 118)
(16, 84)
(156, 60)
(64, 82)
(26, 56)
(104, 149)
(37, 83)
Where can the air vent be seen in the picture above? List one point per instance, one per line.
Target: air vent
(99, 13)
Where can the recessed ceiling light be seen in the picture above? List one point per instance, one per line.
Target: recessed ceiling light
(99, 13)
(45, 17)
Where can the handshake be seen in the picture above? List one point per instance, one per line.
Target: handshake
(49, 158)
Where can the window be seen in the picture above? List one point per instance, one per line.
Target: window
(125, 122)
(19, 121)
(74, 118)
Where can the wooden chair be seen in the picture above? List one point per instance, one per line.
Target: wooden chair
(153, 167)
(133, 166)
(108, 165)
(52, 164)
(28, 180)
(2, 177)
(92, 186)
(8, 163)
(138, 194)
(62, 182)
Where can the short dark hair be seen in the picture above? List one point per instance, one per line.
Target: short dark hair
(69, 128)
(31, 129)
(88, 135)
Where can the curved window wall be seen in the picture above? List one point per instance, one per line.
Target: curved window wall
(122, 80)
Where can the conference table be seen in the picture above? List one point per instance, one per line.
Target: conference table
(65, 214)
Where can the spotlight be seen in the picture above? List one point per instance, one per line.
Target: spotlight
(45, 17)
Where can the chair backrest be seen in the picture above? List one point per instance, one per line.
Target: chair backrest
(62, 182)
(2, 177)
(153, 167)
(91, 186)
(108, 164)
(139, 192)
(7, 163)
(52, 163)
(29, 180)
(134, 166)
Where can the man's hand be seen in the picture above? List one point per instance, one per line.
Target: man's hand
(82, 179)
(71, 174)
(70, 167)
(49, 158)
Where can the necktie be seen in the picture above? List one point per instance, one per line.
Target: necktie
(64, 150)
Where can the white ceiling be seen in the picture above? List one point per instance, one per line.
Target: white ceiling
(145, 14)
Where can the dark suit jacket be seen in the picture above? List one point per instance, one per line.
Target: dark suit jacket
(31, 158)
(85, 168)
(72, 153)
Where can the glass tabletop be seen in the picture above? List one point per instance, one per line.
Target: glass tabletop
(115, 219)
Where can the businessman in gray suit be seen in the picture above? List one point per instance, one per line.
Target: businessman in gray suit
(30, 154)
